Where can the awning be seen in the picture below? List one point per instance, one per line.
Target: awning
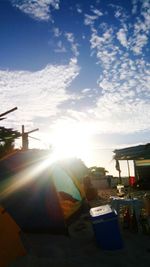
(140, 152)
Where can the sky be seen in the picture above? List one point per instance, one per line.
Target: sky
(80, 72)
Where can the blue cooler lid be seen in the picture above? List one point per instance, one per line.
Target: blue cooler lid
(102, 212)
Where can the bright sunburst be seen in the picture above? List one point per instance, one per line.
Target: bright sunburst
(71, 141)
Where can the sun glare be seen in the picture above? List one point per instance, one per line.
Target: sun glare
(71, 141)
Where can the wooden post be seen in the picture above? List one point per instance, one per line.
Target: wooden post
(24, 139)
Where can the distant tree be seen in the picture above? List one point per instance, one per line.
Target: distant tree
(97, 171)
(7, 139)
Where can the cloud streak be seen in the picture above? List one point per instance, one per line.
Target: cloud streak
(37, 9)
(36, 94)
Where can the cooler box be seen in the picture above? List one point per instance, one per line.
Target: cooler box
(106, 228)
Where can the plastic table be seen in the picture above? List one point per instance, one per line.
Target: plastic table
(134, 203)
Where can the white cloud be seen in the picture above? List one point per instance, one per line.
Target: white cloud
(60, 48)
(121, 36)
(134, 7)
(86, 90)
(123, 103)
(137, 30)
(57, 32)
(116, 113)
(97, 12)
(79, 9)
(119, 12)
(124, 94)
(141, 40)
(74, 46)
(90, 19)
(99, 41)
(141, 28)
(37, 9)
(105, 49)
(36, 94)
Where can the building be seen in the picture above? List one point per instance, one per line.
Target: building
(141, 156)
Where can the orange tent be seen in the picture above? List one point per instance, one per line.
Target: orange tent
(11, 246)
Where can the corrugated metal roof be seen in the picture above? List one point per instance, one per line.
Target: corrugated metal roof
(139, 152)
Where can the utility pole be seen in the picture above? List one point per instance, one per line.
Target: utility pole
(25, 141)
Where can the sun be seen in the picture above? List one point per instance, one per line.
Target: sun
(71, 141)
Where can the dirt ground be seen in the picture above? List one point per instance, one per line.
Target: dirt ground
(80, 248)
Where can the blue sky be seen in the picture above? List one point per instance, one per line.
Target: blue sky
(79, 71)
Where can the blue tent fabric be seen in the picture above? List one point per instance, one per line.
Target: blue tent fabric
(65, 185)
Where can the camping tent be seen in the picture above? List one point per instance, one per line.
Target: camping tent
(38, 195)
(141, 156)
(11, 246)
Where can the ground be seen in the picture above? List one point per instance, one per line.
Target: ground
(80, 248)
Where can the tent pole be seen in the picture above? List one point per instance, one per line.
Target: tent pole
(118, 169)
(129, 191)
(128, 168)
(120, 180)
